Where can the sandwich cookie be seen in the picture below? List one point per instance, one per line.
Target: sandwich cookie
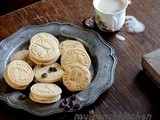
(43, 52)
(45, 93)
(75, 56)
(76, 77)
(49, 73)
(18, 74)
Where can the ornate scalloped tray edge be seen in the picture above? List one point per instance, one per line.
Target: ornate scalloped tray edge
(102, 67)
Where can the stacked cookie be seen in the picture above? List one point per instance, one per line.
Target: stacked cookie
(76, 77)
(44, 49)
(76, 62)
(45, 93)
(18, 74)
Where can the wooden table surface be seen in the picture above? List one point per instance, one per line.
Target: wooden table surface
(133, 93)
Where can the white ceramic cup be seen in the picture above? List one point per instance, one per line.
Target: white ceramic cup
(110, 21)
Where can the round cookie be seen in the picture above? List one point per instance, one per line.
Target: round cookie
(18, 74)
(75, 56)
(70, 44)
(24, 56)
(45, 89)
(43, 51)
(49, 73)
(45, 92)
(76, 77)
(43, 36)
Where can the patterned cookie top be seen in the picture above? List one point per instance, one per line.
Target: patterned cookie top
(43, 51)
(76, 77)
(70, 44)
(43, 36)
(45, 89)
(75, 56)
(48, 73)
(20, 72)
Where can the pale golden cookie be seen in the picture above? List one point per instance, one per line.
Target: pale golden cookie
(45, 93)
(43, 51)
(18, 74)
(70, 44)
(76, 77)
(11, 84)
(43, 36)
(47, 90)
(24, 56)
(75, 56)
(49, 73)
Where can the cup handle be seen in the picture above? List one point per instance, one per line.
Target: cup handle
(114, 26)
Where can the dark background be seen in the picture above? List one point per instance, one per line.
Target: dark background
(7, 6)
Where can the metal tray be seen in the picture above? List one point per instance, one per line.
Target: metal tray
(102, 67)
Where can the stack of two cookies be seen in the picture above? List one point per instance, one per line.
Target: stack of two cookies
(44, 49)
(45, 93)
(75, 62)
(18, 74)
